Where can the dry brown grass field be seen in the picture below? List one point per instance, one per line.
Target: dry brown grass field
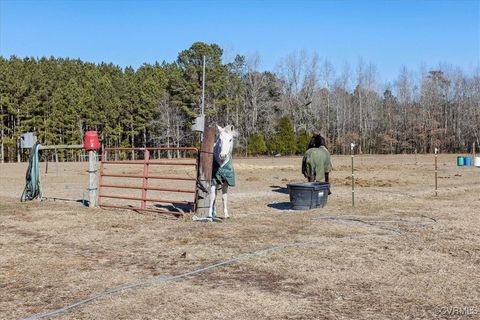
(400, 253)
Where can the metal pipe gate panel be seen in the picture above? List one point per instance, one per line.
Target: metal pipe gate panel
(147, 177)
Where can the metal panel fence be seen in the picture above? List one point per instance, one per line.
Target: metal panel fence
(141, 176)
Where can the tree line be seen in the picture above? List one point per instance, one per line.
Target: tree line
(273, 111)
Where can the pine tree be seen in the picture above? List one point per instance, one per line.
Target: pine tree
(284, 140)
(256, 144)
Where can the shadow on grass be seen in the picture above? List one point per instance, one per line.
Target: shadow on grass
(280, 205)
(279, 189)
(178, 207)
(84, 202)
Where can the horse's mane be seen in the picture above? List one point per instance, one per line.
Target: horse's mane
(316, 141)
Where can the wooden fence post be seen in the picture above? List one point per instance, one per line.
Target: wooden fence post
(205, 172)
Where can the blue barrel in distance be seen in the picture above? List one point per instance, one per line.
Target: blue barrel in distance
(468, 161)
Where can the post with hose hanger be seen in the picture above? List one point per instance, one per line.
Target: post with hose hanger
(91, 144)
(33, 186)
(92, 178)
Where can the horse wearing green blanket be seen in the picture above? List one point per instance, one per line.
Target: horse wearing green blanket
(223, 174)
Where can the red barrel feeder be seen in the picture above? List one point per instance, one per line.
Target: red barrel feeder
(91, 141)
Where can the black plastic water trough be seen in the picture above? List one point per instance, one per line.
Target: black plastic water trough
(308, 195)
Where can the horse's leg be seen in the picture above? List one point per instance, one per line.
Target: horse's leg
(213, 194)
(224, 198)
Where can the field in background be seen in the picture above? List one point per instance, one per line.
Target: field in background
(400, 253)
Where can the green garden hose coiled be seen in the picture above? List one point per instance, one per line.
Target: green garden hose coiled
(32, 185)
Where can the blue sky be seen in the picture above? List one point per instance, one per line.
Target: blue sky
(387, 33)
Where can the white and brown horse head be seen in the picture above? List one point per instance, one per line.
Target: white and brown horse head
(224, 144)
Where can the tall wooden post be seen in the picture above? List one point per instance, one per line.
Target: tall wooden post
(205, 172)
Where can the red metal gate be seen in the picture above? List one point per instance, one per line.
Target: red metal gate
(189, 178)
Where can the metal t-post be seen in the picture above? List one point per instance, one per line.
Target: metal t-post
(56, 162)
(436, 172)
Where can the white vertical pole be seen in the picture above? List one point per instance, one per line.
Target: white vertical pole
(92, 177)
(203, 87)
(203, 100)
(352, 145)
